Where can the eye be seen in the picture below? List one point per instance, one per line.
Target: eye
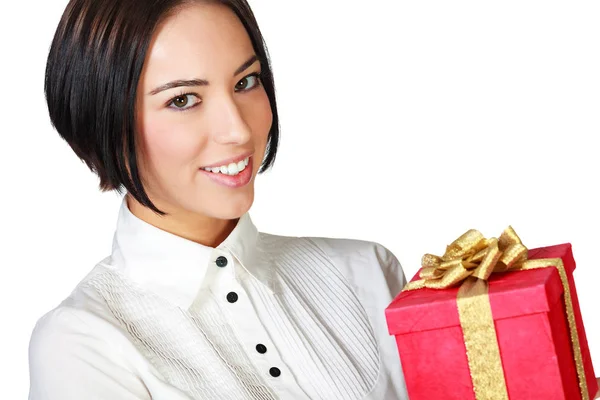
(248, 83)
(183, 102)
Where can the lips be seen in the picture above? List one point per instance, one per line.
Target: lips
(238, 180)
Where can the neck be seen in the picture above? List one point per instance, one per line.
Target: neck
(202, 229)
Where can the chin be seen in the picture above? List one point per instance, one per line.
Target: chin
(230, 214)
(232, 209)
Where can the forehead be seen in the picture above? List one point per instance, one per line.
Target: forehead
(200, 39)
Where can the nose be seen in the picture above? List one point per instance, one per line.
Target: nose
(228, 124)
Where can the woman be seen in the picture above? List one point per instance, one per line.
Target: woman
(173, 101)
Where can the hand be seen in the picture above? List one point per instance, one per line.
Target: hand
(598, 394)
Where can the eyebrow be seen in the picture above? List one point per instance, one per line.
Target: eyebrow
(201, 82)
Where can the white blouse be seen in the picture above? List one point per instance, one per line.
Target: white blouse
(260, 316)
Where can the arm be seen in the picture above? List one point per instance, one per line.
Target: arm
(70, 361)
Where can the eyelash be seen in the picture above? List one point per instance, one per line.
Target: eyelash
(257, 75)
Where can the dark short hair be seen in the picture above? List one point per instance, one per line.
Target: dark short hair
(92, 73)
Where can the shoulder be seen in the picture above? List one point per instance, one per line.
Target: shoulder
(77, 345)
(81, 319)
(373, 253)
(61, 340)
(67, 322)
(362, 262)
(59, 332)
(333, 247)
(80, 326)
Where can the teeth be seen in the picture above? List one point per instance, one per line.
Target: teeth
(231, 169)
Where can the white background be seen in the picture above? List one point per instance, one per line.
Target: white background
(405, 123)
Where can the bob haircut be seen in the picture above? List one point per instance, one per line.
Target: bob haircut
(92, 74)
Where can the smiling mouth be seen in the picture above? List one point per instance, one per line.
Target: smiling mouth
(231, 169)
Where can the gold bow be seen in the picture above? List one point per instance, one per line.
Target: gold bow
(470, 260)
(471, 255)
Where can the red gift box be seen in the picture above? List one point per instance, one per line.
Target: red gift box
(531, 328)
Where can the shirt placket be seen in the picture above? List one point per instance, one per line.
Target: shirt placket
(240, 306)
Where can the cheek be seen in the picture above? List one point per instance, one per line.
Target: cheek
(169, 144)
(261, 117)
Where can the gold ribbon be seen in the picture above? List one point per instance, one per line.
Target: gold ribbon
(470, 260)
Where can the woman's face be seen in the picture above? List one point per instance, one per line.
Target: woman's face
(185, 128)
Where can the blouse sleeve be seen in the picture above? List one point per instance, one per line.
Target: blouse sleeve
(392, 270)
(67, 361)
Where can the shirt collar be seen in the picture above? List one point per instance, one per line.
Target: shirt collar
(175, 267)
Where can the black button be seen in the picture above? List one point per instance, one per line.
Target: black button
(232, 297)
(221, 261)
(261, 348)
(275, 372)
